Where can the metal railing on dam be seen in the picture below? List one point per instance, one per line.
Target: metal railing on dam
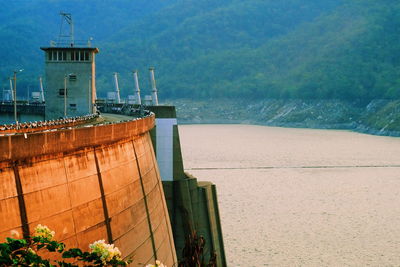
(36, 126)
(63, 140)
(22, 107)
(88, 183)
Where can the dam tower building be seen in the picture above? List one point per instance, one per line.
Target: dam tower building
(70, 71)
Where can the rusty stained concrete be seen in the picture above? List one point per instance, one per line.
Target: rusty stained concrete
(32, 145)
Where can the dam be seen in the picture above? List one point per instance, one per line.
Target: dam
(90, 177)
(88, 188)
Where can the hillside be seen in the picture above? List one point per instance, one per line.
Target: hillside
(378, 117)
(250, 49)
(27, 25)
(198, 46)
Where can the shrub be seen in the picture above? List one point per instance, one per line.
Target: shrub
(24, 252)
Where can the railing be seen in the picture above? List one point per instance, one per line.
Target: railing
(123, 108)
(23, 106)
(27, 127)
(68, 43)
(136, 111)
(53, 141)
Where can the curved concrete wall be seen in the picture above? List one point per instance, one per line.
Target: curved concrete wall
(88, 184)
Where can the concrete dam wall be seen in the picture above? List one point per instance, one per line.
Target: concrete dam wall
(88, 183)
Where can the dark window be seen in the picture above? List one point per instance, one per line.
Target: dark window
(72, 77)
(61, 92)
(72, 56)
(82, 56)
(64, 55)
(50, 55)
(59, 56)
(54, 55)
(86, 55)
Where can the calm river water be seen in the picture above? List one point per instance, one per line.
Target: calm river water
(300, 197)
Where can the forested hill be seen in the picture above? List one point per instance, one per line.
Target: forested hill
(346, 49)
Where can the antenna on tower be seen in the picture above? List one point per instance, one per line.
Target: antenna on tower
(66, 17)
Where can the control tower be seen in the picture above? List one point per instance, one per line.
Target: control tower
(70, 75)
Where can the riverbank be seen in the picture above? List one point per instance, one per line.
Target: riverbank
(378, 117)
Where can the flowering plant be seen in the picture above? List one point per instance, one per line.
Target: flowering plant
(23, 252)
(44, 231)
(106, 252)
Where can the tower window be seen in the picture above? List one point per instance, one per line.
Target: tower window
(76, 55)
(61, 92)
(72, 77)
(79, 56)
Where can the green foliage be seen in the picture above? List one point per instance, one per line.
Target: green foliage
(24, 252)
(208, 49)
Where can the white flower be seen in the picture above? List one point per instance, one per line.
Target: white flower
(14, 234)
(107, 252)
(44, 231)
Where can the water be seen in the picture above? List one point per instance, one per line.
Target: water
(299, 197)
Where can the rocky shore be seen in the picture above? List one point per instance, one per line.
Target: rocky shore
(378, 117)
